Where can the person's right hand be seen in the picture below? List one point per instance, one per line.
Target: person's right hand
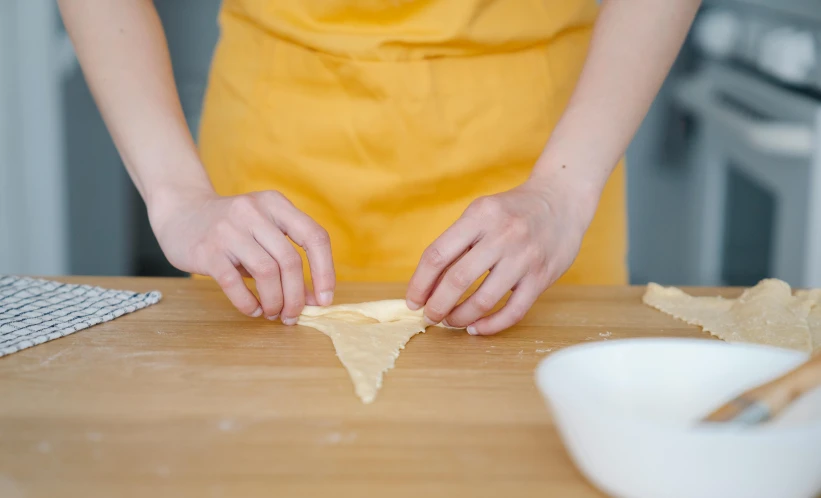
(247, 235)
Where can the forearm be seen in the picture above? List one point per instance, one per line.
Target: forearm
(633, 46)
(123, 52)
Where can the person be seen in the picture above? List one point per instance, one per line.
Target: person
(468, 147)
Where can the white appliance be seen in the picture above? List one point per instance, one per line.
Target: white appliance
(755, 101)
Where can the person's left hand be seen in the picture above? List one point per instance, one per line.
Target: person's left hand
(526, 237)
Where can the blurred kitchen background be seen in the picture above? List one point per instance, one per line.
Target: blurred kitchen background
(724, 177)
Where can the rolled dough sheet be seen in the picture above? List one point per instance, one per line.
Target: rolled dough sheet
(814, 319)
(367, 337)
(765, 314)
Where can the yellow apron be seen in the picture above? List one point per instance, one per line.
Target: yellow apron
(384, 119)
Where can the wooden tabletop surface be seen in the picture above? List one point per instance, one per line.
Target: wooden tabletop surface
(190, 398)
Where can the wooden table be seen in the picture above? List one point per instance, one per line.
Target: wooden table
(190, 398)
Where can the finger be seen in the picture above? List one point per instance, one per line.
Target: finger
(311, 237)
(265, 271)
(523, 297)
(231, 283)
(310, 298)
(458, 278)
(437, 257)
(442, 275)
(501, 279)
(290, 266)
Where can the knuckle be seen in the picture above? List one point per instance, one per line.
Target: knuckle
(484, 302)
(516, 313)
(485, 205)
(291, 262)
(223, 229)
(243, 206)
(266, 270)
(435, 258)
(272, 197)
(517, 228)
(459, 278)
(435, 309)
(319, 238)
(228, 279)
(535, 254)
(489, 211)
(435, 313)
(276, 195)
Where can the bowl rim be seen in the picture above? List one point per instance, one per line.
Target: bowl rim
(727, 430)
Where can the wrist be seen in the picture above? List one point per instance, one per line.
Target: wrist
(166, 199)
(579, 193)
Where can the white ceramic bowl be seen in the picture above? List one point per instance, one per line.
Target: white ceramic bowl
(627, 411)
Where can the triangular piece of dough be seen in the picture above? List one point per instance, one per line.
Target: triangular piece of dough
(765, 314)
(367, 337)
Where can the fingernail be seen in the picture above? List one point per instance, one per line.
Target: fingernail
(289, 321)
(472, 330)
(412, 306)
(428, 321)
(272, 318)
(257, 313)
(446, 324)
(326, 298)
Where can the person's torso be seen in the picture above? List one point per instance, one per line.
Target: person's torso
(413, 29)
(384, 119)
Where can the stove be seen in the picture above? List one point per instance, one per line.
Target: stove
(754, 100)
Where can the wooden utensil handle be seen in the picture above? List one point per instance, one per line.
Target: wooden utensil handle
(768, 400)
(782, 391)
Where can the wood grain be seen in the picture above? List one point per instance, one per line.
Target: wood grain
(190, 398)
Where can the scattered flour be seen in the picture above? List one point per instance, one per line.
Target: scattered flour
(339, 438)
(9, 488)
(228, 425)
(53, 357)
(94, 437)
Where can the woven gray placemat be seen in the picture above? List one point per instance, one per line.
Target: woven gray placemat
(34, 311)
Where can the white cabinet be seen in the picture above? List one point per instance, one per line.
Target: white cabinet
(770, 134)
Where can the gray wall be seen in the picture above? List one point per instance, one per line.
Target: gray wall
(109, 230)
(10, 248)
(100, 194)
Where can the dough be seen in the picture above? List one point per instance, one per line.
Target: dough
(814, 319)
(367, 337)
(765, 314)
